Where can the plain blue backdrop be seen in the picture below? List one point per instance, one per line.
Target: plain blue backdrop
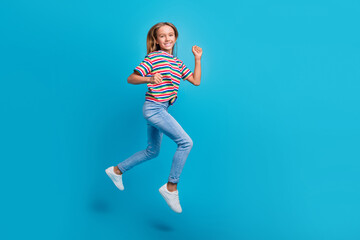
(275, 121)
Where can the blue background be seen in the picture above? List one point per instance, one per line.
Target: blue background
(275, 121)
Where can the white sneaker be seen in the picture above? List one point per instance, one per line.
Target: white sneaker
(117, 179)
(171, 198)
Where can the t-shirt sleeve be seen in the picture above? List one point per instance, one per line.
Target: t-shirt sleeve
(185, 71)
(145, 67)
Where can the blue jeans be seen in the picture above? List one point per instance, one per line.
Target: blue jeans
(159, 121)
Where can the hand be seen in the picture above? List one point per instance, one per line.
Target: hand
(155, 79)
(197, 51)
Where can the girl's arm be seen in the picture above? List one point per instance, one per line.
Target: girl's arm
(196, 77)
(136, 78)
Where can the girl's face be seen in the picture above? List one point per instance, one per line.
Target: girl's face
(165, 37)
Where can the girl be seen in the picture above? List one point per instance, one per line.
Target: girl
(161, 71)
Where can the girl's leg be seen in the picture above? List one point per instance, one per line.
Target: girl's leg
(152, 150)
(164, 122)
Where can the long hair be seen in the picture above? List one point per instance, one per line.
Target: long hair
(151, 37)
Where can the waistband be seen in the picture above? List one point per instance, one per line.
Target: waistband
(165, 104)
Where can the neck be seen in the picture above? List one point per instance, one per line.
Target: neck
(168, 51)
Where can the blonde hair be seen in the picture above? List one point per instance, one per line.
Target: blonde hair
(151, 37)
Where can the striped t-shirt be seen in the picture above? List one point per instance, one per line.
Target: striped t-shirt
(172, 70)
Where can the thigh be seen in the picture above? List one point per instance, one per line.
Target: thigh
(167, 124)
(154, 136)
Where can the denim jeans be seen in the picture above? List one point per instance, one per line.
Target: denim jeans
(159, 121)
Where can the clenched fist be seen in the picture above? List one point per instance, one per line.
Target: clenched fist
(156, 78)
(197, 51)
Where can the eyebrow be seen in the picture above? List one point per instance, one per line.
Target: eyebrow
(165, 33)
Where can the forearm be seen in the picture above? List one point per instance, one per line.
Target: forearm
(137, 79)
(197, 72)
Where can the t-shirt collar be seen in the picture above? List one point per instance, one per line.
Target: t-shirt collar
(166, 53)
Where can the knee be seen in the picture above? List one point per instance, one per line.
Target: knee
(190, 143)
(187, 143)
(152, 152)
